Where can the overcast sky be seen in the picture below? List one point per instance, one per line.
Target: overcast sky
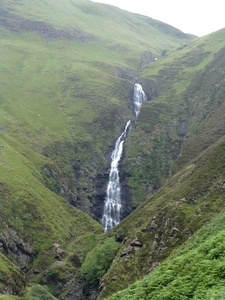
(198, 17)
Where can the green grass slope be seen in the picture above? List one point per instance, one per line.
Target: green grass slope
(67, 69)
(40, 232)
(170, 217)
(184, 117)
(195, 271)
(85, 21)
(181, 132)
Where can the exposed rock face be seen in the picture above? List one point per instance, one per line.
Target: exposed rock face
(134, 245)
(146, 58)
(85, 186)
(144, 251)
(77, 289)
(100, 195)
(12, 245)
(59, 253)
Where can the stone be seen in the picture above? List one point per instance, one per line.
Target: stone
(173, 231)
(153, 225)
(136, 243)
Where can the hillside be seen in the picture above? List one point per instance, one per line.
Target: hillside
(181, 132)
(67, 75)
(68, 68)
(169, 218)
(66, 88)
(185, 117)
(195, 271)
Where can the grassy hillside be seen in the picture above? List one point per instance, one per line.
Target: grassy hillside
(169, 218)
(40, 232)
(195, 271)
(184, 117)
(181, 132)
(85, 21)
(68, 69)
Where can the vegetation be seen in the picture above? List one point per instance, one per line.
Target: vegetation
(169, 218)
(67, 78)
(37, 292)
(185, 114)
(195, 271)
(98, 261)
(11, 278)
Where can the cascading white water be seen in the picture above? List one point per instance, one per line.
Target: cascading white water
(112, 208)
(139, 98)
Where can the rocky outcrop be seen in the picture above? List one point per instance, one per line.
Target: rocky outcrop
(11, 245)
(134, 245)
(146, 58)
(78, 289)
(12, 280)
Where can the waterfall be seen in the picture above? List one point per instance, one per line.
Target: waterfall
(112, 205)
(139, 98)
(112, 208)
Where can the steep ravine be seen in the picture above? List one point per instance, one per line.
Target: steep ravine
(84, 183)
(113, 204)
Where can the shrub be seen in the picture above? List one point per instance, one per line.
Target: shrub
(38, 292)
(98, 261)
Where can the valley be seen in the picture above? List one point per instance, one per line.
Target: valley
(68, 71)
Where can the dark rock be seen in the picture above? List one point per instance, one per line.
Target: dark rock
(146, 58)
(74, 259)
(136, 243)
(128, 250)
(3, 129)
(78, 289)
(24, 269)
(153, 225)
(173, 231)
(13, 245)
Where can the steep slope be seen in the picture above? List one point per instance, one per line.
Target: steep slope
(12, 279)
(66, 93)
(184, 118)
(67, 98)
(170, 217)
(85, 21)
(196, 271)
(180, 131)
(68, 69)
(40, 232)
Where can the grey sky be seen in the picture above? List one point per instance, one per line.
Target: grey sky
(198, 17)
